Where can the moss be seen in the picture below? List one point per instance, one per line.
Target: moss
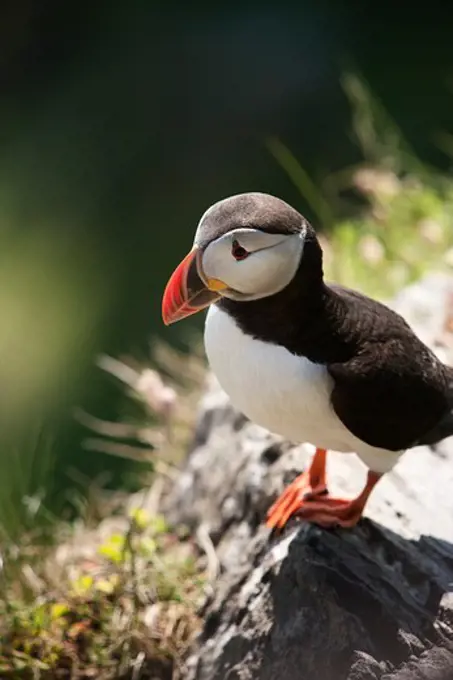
(127, 609)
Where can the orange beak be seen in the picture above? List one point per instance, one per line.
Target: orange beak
(187, 292)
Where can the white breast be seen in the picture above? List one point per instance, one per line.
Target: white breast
(284, 393)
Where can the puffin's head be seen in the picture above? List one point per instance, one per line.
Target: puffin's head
(246, 247)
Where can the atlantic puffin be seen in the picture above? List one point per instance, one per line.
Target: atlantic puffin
(312, 361)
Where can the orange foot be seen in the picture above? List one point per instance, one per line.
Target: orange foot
(307, 497)
(330, 512)
(310, 484)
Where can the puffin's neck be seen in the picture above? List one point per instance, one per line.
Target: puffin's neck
(305, 317)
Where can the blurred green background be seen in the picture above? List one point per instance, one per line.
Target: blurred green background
(120, 123)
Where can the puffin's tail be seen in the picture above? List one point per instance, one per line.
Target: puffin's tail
(441, 431)
(444, 428)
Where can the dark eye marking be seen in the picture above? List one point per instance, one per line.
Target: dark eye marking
(238, 251)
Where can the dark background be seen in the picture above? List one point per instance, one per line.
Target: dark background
(120, 123)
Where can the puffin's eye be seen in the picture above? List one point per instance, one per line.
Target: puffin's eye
(238, 252)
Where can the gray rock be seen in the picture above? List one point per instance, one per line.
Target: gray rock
(375, 602)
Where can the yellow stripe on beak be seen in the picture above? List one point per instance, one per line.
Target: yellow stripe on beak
(216, 285)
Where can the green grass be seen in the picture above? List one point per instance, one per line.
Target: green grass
(406, 229)
(129, 610)
(117, 595)
(404, 223)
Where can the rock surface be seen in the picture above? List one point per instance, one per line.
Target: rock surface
(375, 602)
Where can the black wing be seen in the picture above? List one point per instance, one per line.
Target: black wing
(393, 391)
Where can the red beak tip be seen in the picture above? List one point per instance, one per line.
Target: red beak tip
(165, 317)
(175, 303)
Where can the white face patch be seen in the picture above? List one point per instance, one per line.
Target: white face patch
(270, 265)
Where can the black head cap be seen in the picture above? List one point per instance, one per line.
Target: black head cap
(253, 210)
